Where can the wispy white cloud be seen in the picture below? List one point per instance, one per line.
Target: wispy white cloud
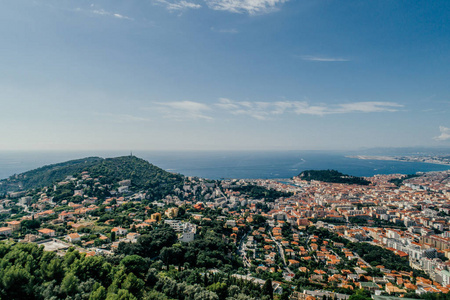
(445, 134)
(184, 110)
(119, 16)
(189, 110)
(227, 104)
(265, 110)
(252, 7)
(257, 110)
(367, 107)
(122, 118)
(323, 58)
(173, 5)
(102, 12)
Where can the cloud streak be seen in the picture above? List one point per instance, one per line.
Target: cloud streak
(266, 110)
(178, 5)
(190, 110)
(445, 134)
(184, 110)
(122, 118)
(252, 7)
(103, 12)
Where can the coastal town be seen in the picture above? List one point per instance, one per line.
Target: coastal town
(430, 159)
(311, 239)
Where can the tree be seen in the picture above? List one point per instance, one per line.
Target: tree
(205, 295)
(30, 224)
(121, 295)
(69, 284)
(17, 283)
(98, 294)
(259, 220)
(53, 270)
(171, 255)
(267, 288)
(134, 285)
(135, 264)
(151, 277)
(360, 294)
(165, 256)
(220, 288)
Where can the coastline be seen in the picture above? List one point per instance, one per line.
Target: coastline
(401, 159)
(236, 165)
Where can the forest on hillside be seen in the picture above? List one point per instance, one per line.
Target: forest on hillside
(332, 176)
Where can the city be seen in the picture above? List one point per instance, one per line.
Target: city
(310, 238)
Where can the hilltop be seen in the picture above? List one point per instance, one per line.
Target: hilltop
(46, 175)
(123, 228)
(142, 174)
(332, 176)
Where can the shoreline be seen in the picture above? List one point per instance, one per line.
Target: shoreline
(393, 158)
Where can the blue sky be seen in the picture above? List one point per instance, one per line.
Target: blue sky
(224, 74)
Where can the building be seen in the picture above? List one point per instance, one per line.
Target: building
(73, 237)
(445, 277)
(122, 189)
(46, 231)
(14, 225)
(133, 237)
(438, 242)
(119, 230)
(176, 225)
(172, 212)
(156, 217)
(188, 236)
(5, 230)
(189, 231)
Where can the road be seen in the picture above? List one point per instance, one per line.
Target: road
(242, 251)
(280, 249)
(281, 253)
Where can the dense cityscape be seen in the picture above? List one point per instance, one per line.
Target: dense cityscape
(283, 150)
(306, 239)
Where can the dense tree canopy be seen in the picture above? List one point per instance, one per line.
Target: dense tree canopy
(27, 272)
(331, 176)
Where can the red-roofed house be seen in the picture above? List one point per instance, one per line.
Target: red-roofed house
(73, 237)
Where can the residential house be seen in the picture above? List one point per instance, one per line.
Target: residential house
(119, 230)
(73, 237)
(14, 225)
(5, 230)
(46, 231)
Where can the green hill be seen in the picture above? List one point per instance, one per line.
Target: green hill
(332, 176)
(46, 175)
(142, 174)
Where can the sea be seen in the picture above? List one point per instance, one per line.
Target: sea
(227, 164)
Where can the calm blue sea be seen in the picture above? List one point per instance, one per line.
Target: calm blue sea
(218, 164)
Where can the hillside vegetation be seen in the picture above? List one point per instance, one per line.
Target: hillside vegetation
(143, 175)
(46, 175)
(29, 272)
(332, 176)
(259, 192)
